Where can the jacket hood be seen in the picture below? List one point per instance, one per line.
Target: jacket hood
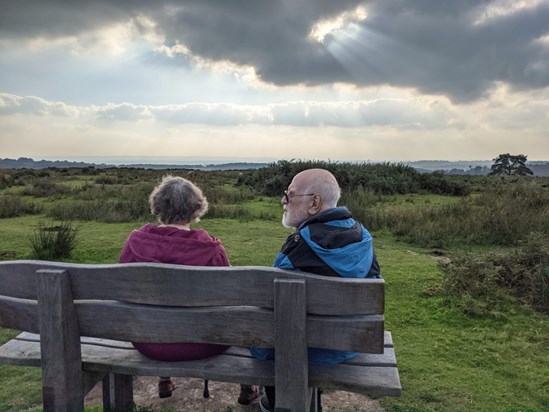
(157, 244)
(340, 242)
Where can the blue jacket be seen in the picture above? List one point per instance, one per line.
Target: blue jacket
(330, 243)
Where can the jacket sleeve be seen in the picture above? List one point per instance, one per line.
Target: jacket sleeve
(221, 259)
(262, 353)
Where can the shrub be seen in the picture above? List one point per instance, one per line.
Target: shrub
(106, 204)
(486, 282)
(90, 191)
(6, 179)
(382, 178)
(12, 206)
(502, 215)
(45, 188)
(109, 211)
(53, 242)
(106, 180)
(227, 195)
(359, 203)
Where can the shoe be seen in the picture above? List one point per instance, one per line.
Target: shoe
(165, 388)
(264, 404)
(248, 394)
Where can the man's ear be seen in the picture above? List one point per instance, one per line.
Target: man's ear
(316, 206)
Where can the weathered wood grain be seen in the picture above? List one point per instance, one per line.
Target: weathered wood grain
(29, 355)
(20, 353)
(108, 343)
(362, 333)
(291, 364)
(225, 367)
(89, 313)
(18, 313)
(176, 285)
(373, 381)
(245, 326)
(90, 379)
(249, 326)
(118, 393)
(18, 279)
(62, 381)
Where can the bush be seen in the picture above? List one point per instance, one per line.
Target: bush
(382, 178)
(225, 195)
(53, 242)
(487, 282)
(502, 215)
(90, 191)
(106, 180)
(359, 203)
(238, 212)
(102, 211)
(106, 204)
(45, 188)
(12, 206)
(6, 179)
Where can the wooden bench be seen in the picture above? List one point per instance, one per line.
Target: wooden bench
(85, 316)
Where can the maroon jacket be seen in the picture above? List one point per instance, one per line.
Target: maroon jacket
(152, 243)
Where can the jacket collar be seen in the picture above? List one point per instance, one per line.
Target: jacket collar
(337, 213)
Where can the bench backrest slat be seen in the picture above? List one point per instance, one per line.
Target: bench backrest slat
(19, 314)
(238, 326)
(214, 305)
(174, 285)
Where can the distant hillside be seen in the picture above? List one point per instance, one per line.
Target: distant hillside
(224, 166)
(539, 168)
(473, 167)
(28, 163)
(433, 165)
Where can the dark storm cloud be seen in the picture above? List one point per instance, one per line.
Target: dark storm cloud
(431, 45)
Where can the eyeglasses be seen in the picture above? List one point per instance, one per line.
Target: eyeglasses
(287, 195)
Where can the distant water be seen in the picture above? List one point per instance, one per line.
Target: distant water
(161, 160)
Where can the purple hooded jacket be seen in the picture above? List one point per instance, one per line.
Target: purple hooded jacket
(157, 244)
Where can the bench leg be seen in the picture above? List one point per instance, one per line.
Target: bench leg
(117, 393)
(316, 404)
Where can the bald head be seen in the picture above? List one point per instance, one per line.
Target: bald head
(319, 181)
(311, 191)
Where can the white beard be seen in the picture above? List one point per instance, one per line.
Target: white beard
(293, 218)
(285, 221)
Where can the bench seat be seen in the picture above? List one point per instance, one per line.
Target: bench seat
(369, 374)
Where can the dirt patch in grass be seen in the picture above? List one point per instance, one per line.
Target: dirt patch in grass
(187, 397)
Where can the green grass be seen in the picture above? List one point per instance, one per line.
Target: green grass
(413, 201)
(20, 386)
(101, 243)
(447, 360)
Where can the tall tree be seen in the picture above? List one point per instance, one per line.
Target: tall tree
(511, 165)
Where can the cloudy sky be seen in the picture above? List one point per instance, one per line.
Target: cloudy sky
(274, 79)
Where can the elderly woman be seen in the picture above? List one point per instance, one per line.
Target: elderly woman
(177, 203)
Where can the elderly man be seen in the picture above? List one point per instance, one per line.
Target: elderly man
(328, 241)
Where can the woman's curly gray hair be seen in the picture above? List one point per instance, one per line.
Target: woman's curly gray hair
(176, 200)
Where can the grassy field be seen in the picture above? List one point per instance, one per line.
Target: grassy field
(447, 360)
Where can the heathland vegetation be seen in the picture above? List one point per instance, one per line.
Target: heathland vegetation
(465, 259)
